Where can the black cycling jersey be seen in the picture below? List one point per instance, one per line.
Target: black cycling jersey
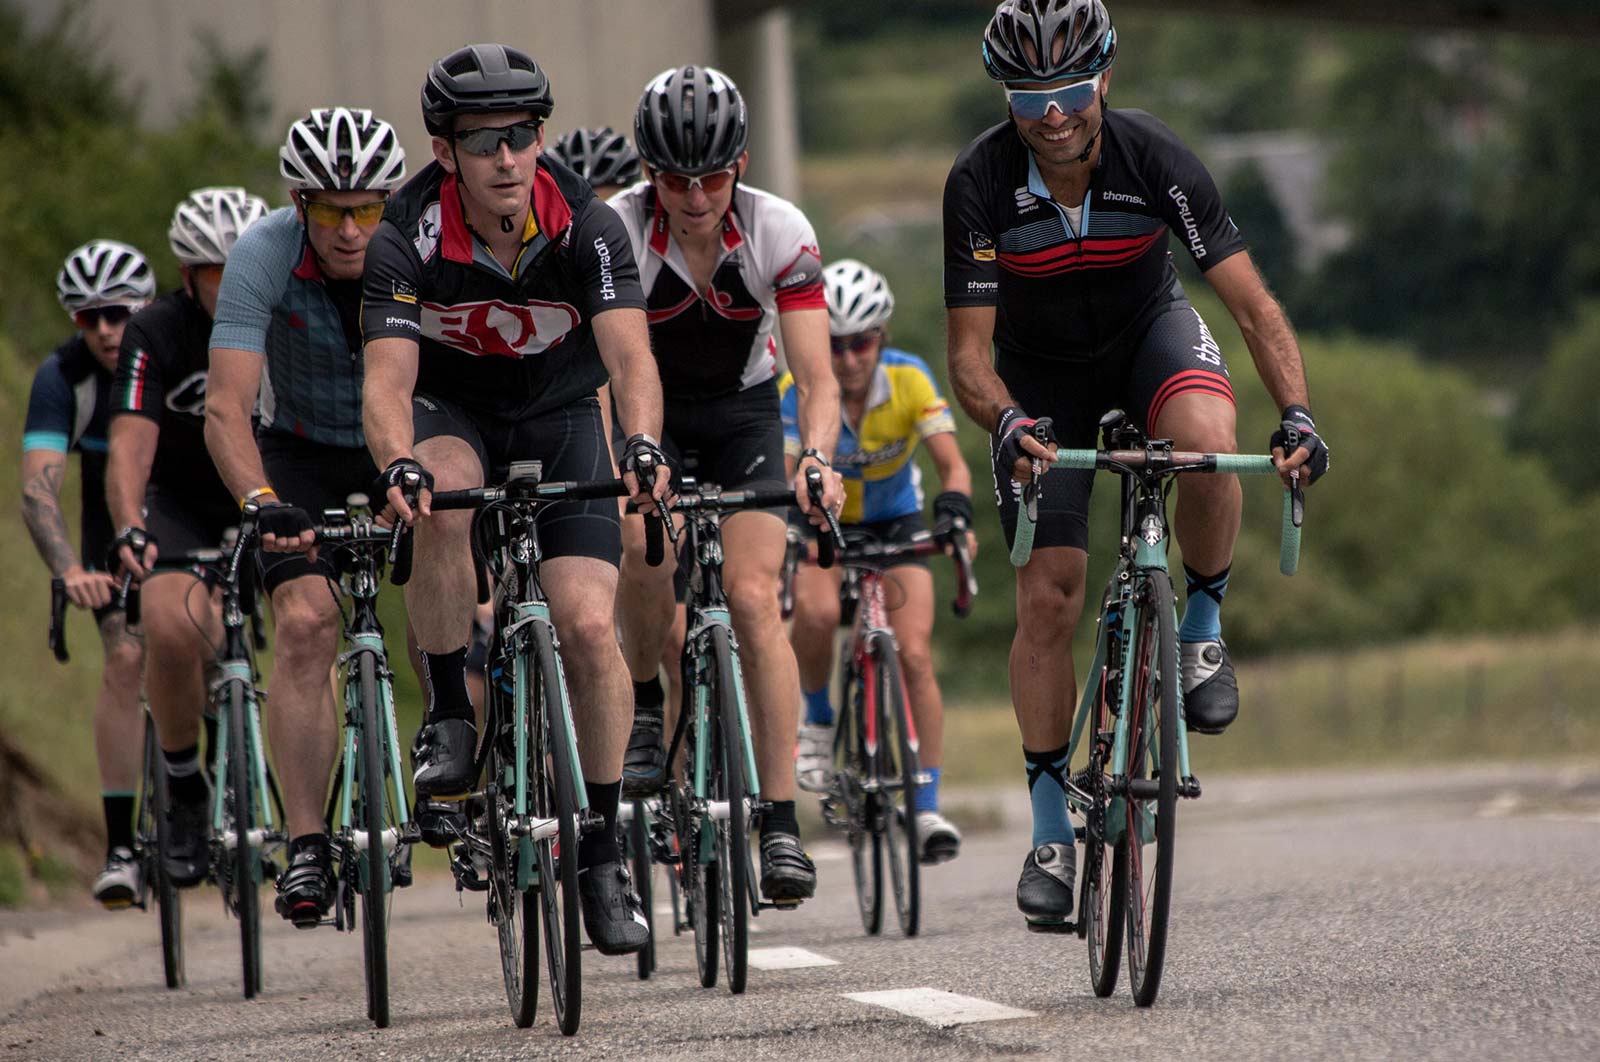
(67, 410)
(506, 344)
(161, 374)
(1073, 296)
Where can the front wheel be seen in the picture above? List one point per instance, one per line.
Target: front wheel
(852, 767)
(732, 837)
(1104, 899)
(153, 843)
(245, 869)
(897, 785)
(554, 789)
(639, 856)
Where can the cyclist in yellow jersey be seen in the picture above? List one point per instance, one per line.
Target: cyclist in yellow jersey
(889, 403)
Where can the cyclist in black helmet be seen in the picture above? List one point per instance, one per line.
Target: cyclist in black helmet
(723, 267)
(1056, 226)
(499, 294)
(603, 157)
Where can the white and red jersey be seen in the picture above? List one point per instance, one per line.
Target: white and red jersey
(719, 341)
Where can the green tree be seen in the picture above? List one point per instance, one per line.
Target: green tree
(1559, 418)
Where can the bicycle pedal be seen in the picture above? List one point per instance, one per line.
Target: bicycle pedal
(779, 905)
(1051, 926)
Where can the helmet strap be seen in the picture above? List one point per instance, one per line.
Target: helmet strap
(1089, 147)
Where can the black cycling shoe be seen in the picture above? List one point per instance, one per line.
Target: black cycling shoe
(787, 873)
(644, 766)
(1044, 892)
(305, 889)
(444, 756)
(440, 822)
(612, 914)
(188, 856)
(1210, 690)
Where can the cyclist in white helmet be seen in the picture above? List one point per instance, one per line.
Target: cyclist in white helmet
(288, 333)
(101, 284)
(166, 497)
(889, 403)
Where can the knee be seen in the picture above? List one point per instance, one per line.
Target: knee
(588, 633)
(305, 627)
(916, 660)
(816, 612)
(124, 659)
(754, 599)
(1211, 433)
(1049, 607)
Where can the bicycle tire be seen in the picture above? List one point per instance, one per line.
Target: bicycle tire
(639, 856)
(1104, 899)
(515, 912)
(865, 840)
(897, 785)
(154, 842)
(375, 864)
(1149, 890)
(557, 797)
(246, 869)
(732, 836)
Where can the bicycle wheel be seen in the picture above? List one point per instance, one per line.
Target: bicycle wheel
(1152, 761)
(639, 856)
(732, 837)
(371, 815)
(552, 784)
(514, 911)
(153, 845)
(1104, 900)
(245, 861)
(897, 784)
(851, 766)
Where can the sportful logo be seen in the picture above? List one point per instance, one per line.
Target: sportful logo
(499, 329)
(1026, 199)
(1191, 230)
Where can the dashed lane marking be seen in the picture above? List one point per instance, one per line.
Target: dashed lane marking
(942, 1009)
(787, 958)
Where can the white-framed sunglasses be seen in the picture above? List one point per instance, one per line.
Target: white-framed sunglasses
(1033, 104)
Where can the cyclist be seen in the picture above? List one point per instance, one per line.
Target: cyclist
(288, 333)
(165, 495)
(889, 403)
(602, 156)
(1055, 228)
(499, 293)
(101, 284)
(723, 265)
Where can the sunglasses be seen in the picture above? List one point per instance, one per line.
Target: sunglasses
(680, 183)
(112, 315)
(487, 141)
(1033, 104)
(330, 216)
(857, 344)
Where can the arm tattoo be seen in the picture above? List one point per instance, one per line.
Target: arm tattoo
(41, 511)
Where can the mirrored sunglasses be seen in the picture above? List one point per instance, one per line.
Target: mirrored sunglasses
(710, 183)
(112, 315)
(1033, 104)
(856, 344)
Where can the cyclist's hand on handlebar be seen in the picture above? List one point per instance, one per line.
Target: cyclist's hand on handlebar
(135, 550)
(1018, 446)
(407, 490)
(286, 529)
(88, 589)
(1297, 446)
(646, 474)
(832, 490)
(953, 506)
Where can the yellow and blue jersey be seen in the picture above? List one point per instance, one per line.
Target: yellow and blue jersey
(881, 481)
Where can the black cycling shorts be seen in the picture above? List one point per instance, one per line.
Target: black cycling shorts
(570, 441)
(895, 532)
(1175, 355)
(180, 527)
(313, 476)
(735, 441)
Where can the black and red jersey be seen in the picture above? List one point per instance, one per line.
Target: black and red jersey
(503, 343)
(1070, 292)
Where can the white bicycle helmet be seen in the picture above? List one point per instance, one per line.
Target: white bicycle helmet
(859, 299)
(210, 221)
(342, 149)
(104, 273)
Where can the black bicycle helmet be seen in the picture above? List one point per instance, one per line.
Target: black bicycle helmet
(600, 156)
(483, 79)
(1048, 40)
(691, 120)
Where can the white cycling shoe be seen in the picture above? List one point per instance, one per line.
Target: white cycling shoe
(941, 841)
(813, 760)
(118, 884)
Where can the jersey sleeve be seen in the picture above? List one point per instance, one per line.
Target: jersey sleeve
(608, 273)
(789, 410)
(971, 266)
(930, 412)
(390, 286)
(252, 286)
(52, 410)
(1192, 207)
(795, 262)
(140, 385)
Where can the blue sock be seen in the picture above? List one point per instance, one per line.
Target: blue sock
(928, 793)
(819, 712)
(1047, 791)
(1202, 612)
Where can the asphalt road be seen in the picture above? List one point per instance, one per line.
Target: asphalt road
(1442, 913)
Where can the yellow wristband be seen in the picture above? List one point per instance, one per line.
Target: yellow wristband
(257, 493)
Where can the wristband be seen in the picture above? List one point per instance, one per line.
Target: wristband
(816, 455)
(259, 492)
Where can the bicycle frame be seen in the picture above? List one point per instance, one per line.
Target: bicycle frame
(236, 666)
(872, 619)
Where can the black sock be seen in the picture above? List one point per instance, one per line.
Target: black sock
(780, 819)
(600, 846)
(649, 694)
(118, 809)
(444, 678)
(185, 783)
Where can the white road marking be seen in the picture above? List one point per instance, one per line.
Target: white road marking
(787, 958)
(939, 1008)
(1501, 805)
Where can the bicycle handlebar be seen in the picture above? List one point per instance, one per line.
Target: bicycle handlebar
(58, 619)
(863, 553)
(529, 489)
(828, 545)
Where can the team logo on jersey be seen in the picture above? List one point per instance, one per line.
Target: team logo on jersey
(403, 291)
(1025, 199)
(427, 237)
(189, 396)
(982, 246)
(499, 329)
